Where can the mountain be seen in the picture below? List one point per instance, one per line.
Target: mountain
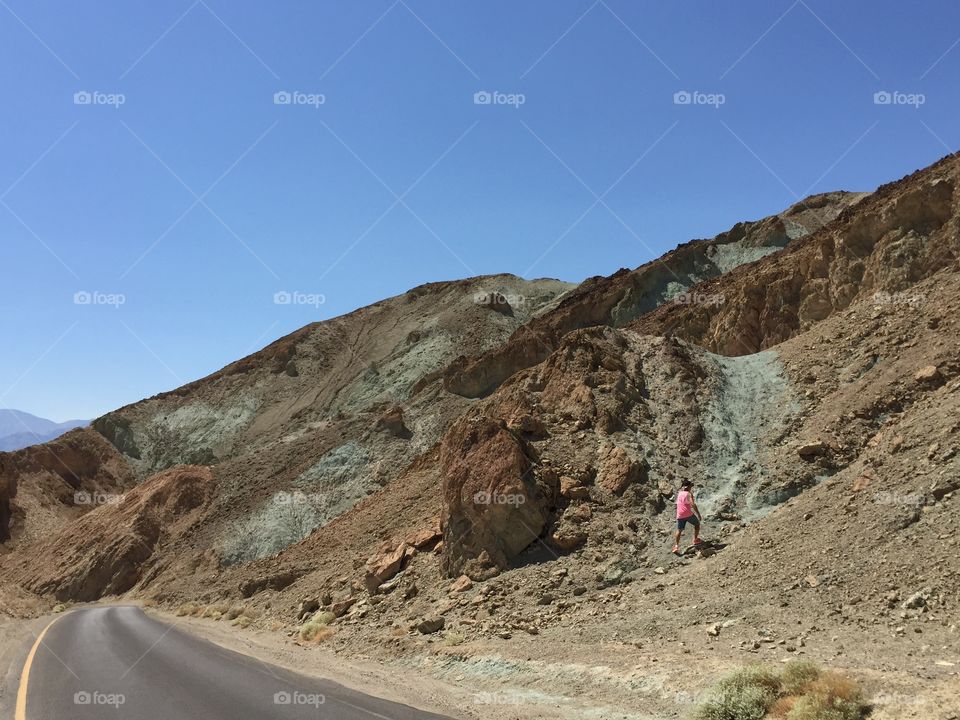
(340, 410)
(498, 458)
(20, 429)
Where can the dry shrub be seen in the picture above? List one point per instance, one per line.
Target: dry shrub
(829, 697)
(782, 707)
(801, 691)
(188, 608)
(315, 629)
(314, 632)
(235, 611)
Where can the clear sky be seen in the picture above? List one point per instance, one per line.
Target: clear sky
(148, 162)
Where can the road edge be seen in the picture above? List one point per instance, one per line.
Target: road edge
(13, 656)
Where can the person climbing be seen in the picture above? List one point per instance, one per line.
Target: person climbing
(687, 512)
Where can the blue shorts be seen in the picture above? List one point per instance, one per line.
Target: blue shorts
(682, 522)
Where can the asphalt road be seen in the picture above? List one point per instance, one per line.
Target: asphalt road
(116, 662)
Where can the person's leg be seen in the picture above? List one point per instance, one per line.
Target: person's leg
(676, 537)
(696, 531)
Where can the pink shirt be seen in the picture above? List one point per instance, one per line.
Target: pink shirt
(684, 504)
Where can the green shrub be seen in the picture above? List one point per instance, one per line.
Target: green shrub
(797, 675)
(316, 627)
(800, 691)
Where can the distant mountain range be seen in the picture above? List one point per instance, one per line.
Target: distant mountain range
(20, 429)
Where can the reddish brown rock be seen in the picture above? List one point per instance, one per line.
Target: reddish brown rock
(619, 471)
(492, 501)
(384, 565)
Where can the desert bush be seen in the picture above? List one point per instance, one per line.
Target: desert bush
(316, 628)
(801, 691)
(187, 608)
(215, 611)
(242, 622)
(452, 638)
(798, 675)
(235, 611)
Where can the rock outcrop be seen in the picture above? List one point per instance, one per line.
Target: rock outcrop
(904, 232)
(495, 504)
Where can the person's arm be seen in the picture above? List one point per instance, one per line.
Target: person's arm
(696, 510)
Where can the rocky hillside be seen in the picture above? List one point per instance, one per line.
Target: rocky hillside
(466, 461)
(299, 432)
(44, 486)
(905, 232)
(628, 294)
(325, 415)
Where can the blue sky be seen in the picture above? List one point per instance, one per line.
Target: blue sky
(184, 190)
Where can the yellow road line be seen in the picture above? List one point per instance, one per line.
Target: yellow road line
(21, 713)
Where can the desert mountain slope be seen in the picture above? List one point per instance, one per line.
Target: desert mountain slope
(360, 363)
(597, 435)
(331, 412)
(621, 298)
(338, 409)
(899, 235)
(528, 511)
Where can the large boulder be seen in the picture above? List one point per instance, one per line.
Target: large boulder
(494, 504)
